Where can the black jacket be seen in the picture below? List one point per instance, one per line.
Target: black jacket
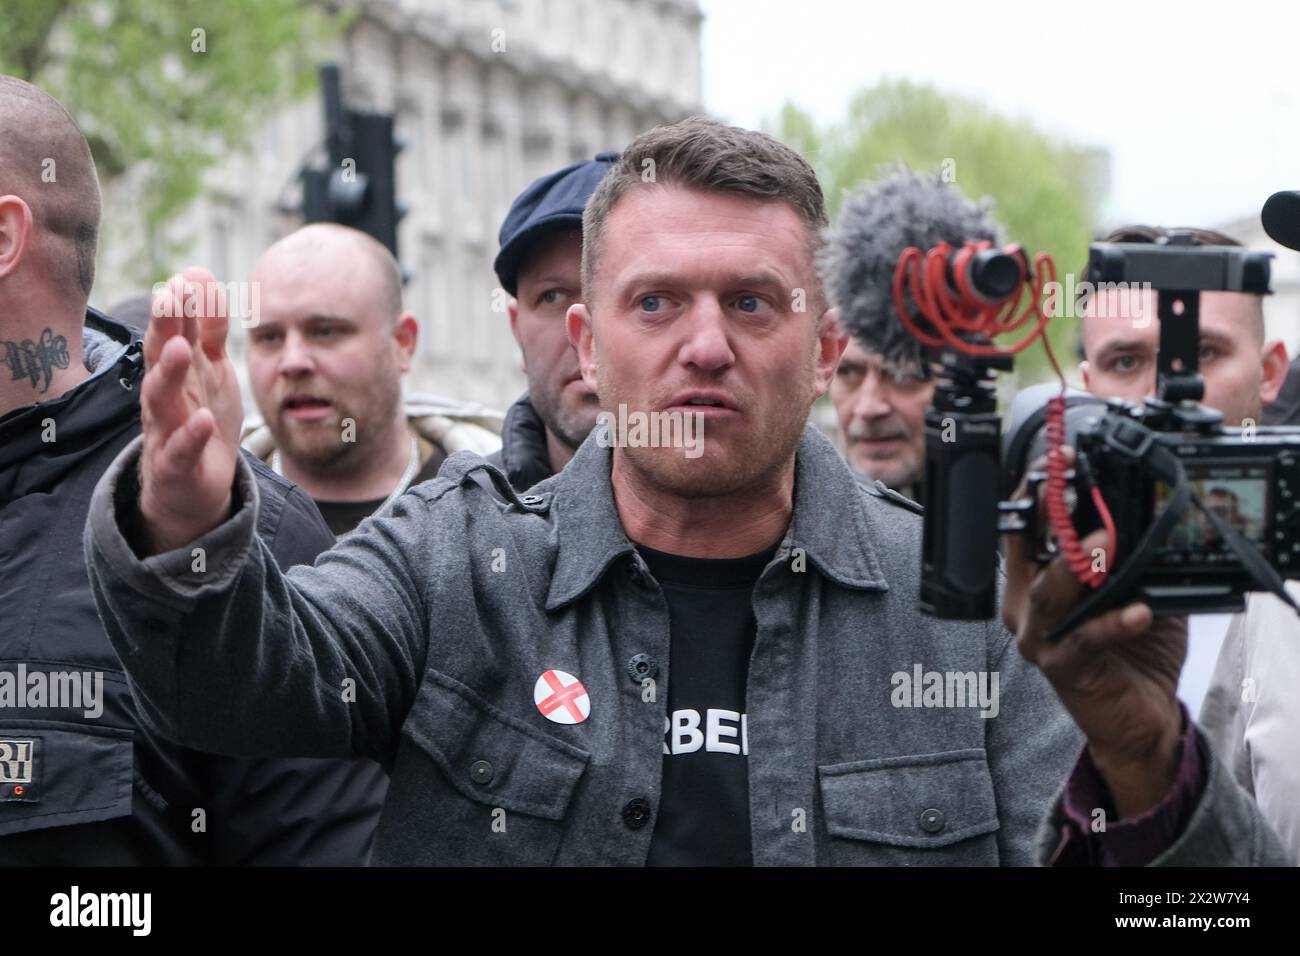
(523, 455)
(99, 790)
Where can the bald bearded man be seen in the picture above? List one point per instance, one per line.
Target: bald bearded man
(326, 358)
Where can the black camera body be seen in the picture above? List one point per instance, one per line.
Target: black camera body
(1151, 463)
(1249, 477)
(963, 432)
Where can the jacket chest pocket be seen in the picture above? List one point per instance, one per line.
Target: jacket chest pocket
(478, 786)
(916, 810)
(55, 774)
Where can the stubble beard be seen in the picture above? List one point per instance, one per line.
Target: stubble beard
(570, 422)
(752, 457)
(319, 448)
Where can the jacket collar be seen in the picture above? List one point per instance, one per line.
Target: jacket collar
(104, 341)
(86, 415)
(524, 457)
(439, 423)
(831, 521)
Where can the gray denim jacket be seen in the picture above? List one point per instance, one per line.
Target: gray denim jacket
(420, 640)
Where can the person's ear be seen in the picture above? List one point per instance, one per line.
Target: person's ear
(1085, 368)
(1275, 365)
(831, 343)
(577, 323)
(512, 309)
(406, 332)
(15, 232)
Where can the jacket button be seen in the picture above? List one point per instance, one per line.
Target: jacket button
(531, 499)
(636, 814)
(481, 772)
(932, 820)
(641, 667)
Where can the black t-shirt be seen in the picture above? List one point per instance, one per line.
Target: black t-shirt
(344, 516)
(703, 816)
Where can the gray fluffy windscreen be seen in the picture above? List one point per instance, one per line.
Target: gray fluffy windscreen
(876, 223)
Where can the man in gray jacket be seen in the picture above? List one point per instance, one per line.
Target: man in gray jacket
(675, 651)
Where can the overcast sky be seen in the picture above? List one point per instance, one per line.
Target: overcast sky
(1198, 102)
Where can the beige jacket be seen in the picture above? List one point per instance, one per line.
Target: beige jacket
(1251, 713)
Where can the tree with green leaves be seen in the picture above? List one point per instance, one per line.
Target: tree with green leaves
(1045, 192)
(165, 88)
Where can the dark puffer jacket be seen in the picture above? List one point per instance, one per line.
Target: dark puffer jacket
(99, 789)
(523, 455)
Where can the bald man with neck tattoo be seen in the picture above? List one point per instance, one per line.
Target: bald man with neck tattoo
(82, 781)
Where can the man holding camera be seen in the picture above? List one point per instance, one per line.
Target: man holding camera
(1244, 667)
(512, 666)
(1120, 335)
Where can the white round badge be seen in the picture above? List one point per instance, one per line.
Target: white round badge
(561, 697)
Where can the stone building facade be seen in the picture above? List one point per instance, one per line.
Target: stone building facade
(487, 95)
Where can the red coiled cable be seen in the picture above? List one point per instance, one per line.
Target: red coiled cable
(952, 311)
(1058, 512)
(958, 314)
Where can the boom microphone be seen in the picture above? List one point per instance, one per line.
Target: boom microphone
(879, 221)
(1281, 218)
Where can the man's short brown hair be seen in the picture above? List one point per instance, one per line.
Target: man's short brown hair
(1141, 233)
(703, 154)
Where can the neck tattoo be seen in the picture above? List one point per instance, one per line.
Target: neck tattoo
(35, 361)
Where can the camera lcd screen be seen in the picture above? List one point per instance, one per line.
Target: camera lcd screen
(1238, 494)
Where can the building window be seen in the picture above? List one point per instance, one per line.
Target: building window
(432, 299)
(494, 163)
(224, 212)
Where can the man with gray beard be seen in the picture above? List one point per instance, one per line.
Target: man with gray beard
(882, 386)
